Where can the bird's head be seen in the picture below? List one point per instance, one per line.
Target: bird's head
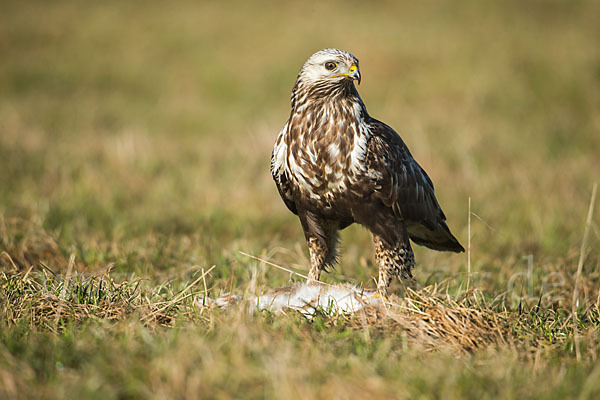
(330, 67)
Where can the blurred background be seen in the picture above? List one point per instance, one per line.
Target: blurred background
(139, 133)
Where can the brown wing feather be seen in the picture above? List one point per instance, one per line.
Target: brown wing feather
(404, 186)
(283, 185)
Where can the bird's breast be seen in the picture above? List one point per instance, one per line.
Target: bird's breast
(324, 162)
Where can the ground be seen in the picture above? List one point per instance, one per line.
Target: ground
(135, 141)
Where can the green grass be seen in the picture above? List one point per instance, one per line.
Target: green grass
(135, 137)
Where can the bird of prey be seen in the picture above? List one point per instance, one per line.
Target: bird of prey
(335, 165)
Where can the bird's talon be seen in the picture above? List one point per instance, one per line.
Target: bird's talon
(379, 295)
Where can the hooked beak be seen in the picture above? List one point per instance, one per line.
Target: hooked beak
(353, 73)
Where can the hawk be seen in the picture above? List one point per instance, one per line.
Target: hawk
(335, 165)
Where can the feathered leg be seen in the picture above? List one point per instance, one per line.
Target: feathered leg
(323, 254)
(317, 251)
(396, 260)
(322, 238)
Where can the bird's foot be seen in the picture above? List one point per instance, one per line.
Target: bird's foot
(381, 293)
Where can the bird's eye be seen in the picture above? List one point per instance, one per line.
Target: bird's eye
(330, 66)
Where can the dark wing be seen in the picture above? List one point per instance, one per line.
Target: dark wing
(279, 175)
(401, 183)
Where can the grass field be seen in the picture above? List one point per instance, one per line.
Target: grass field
(135, 140)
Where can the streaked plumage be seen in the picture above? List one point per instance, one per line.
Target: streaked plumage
(334, 165)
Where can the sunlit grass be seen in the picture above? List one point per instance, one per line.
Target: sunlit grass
(136, 138)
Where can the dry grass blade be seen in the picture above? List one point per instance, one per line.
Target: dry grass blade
(582, 252)
(469, 245)
(180, 296)
(276, 266)
(205, 287)
(63, 292)
(435, 322)
(4, 253)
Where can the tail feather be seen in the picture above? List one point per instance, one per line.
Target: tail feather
(438, 239)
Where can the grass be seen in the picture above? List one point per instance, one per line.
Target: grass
(134, 149)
